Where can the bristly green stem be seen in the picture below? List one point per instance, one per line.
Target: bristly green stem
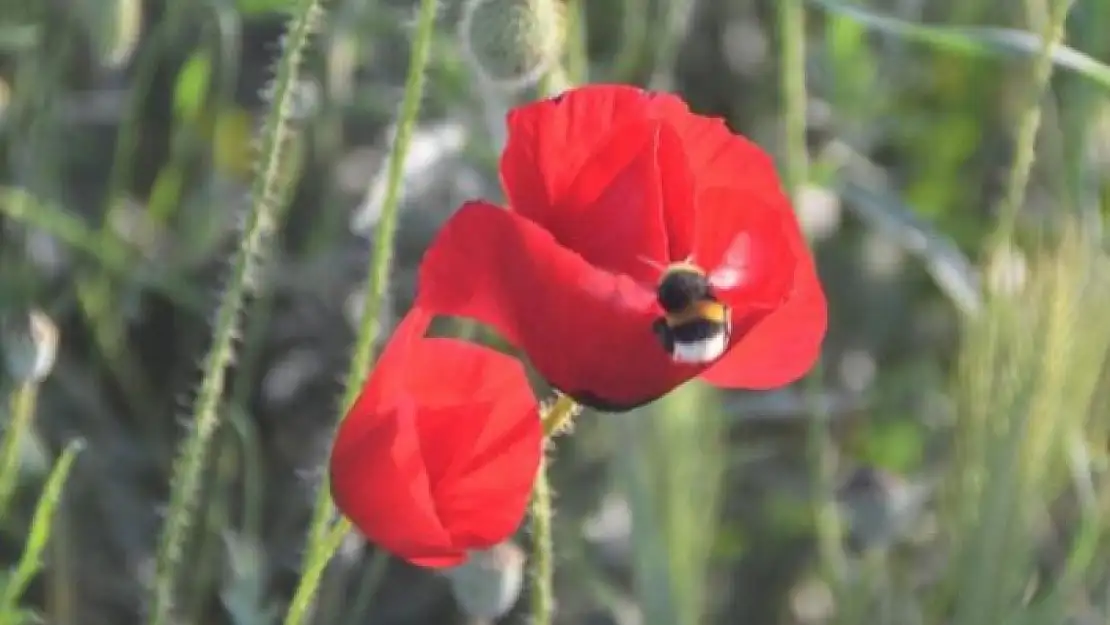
(323, 538)
(267, 203)
(1025, 143)
(543, 568)
(555, 419)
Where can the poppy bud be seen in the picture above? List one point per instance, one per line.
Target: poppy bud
(488, 584)
(30, 344)
(512, 42)
(438, 455)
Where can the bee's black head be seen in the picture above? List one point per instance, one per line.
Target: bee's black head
(681, 288)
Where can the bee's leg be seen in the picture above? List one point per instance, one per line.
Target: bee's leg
(663, 333)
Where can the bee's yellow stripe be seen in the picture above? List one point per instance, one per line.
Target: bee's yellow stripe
(704, 310)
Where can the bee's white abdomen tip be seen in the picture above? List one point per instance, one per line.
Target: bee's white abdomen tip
(700, 352)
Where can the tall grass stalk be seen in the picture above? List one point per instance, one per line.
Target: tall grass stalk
(795, 174)
(324, 538)
(1025, 142)
(267, 194)
(1028, 377)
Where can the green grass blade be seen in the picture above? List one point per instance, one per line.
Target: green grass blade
(986, 42)
(31, 561)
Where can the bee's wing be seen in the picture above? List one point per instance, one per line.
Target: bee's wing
(734, 268)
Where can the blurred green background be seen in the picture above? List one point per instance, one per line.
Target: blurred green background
(946, 464)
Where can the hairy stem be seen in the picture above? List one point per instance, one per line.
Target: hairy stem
(268, 197)
(555, 419)
(323, 538)
(543, 569)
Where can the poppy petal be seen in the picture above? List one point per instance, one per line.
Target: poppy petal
(548, 141)
(486, 394)
(611, 214)
(785, 344)
(483, 494)
(379, 482)
(719, 157)
(744, 246)
(586, 330)
(377, 472)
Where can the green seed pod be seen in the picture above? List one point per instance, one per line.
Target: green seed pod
(513, 43)
(30, 344)
(489, 583)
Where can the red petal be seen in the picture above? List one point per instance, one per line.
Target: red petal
(550, 139)
(716, 155)
(378, 479)
(379, 482)
(785, 344)
(587, 331)
(611, 215)
(743, 236)
(482, 452)
(494, 443)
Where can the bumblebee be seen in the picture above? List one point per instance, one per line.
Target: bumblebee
(695, 326)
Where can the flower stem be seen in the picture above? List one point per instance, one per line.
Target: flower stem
(559, 416)
(323, 537)
(555, 419)
(543, 570)
(268, 199)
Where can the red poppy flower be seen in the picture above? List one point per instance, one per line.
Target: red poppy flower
(439, 452)
(606, 186)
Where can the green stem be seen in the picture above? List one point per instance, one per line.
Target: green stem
(1025, 143)
(543, 569)
(268, 200)
(792, 29)
(322, 541)
(24, 400)
(555, 420)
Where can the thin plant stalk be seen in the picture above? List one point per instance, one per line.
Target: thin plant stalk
(324, 538)
(555, 420)
(268, 194)
(795, 172)
(542, 567)
(1030, 123)
(24, 400)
